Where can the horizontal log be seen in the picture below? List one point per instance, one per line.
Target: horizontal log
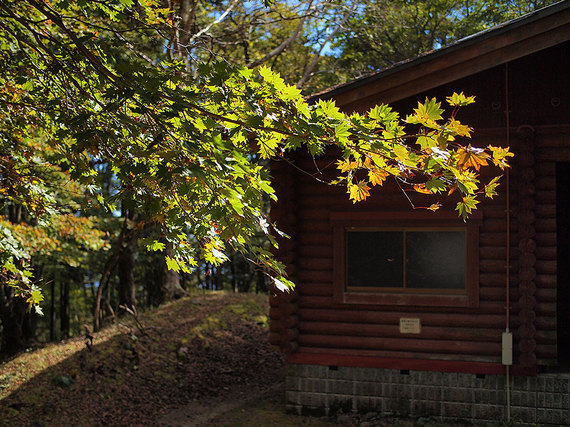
(545, 338)
(320, 276)
(389, 317)
(400, 344)
(544, 323)
(496, 294)
(527, 287)
(492, 252)
(546, 281)
(393, 331)
(290, 334)
(545, 225)
(545, 308)
(316, 289)
(546, 295)
(323, 251)
(319, 239)
(545, 183)
(561, 154)
(546, 352)
(546, 253)
(313, 263)
(545, 197)
(545, 267)
(312, 226)
(485, 307)
(288, 322)
(545, 168)
(546, 238)
(526, 260)
(493, 266)
(527, 359)
(492, 279)
(403, 360)
(526, 345)
(546, 211)
(492, 239)
(494, 225)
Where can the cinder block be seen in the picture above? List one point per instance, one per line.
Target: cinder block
(523, 384)
(398, 405)
(490, 382)
(557, 417)
(451, 394)
(292, 398)
(396, 391)
(421, 392)
(523, 398)
(492, 397)
(488, 412)
(429, 378)
(426, 408)
(365, 388)
(292, 383)
(449, 379)
(553, 400)
(556, 384)
(456, 410)
(313, 385)
(523, 415)
(340, 387)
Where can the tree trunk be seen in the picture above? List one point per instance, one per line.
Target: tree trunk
(52, 313)
(170, 284)
(64, 306)
(126, 262)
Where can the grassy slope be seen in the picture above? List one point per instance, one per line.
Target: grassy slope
(212, 346)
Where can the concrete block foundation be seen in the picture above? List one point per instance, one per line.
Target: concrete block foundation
(542, 400)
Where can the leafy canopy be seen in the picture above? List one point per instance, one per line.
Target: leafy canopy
(185, 146)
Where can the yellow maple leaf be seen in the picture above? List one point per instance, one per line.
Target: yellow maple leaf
(471, 157)
(346, 165)
(359, 191)
(377, 176)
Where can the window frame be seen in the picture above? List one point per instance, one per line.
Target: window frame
(406, 220)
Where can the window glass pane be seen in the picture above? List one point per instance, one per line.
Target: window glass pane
(435, 259)
(374, 259)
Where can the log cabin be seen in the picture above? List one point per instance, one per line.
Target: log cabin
(485, 335)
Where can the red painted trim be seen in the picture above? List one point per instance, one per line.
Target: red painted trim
(411, 364)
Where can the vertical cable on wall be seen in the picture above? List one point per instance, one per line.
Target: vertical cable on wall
(508, 256)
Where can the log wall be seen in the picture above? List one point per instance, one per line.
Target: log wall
(309, 321)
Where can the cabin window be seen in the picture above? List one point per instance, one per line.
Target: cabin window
(405, 258)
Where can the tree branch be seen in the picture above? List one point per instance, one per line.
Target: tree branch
(279, 49)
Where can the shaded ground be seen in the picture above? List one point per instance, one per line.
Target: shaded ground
(208, 348)
(200, 361)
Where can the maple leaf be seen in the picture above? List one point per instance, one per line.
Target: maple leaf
(491, 187)
(346, 165)
(377, 176)
(460, 100)
(471, 157)
(421, 188)
(435, 207)
(358, 191)
(466, 206)
(500, 156)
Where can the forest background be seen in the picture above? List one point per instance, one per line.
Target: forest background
(97, 215)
